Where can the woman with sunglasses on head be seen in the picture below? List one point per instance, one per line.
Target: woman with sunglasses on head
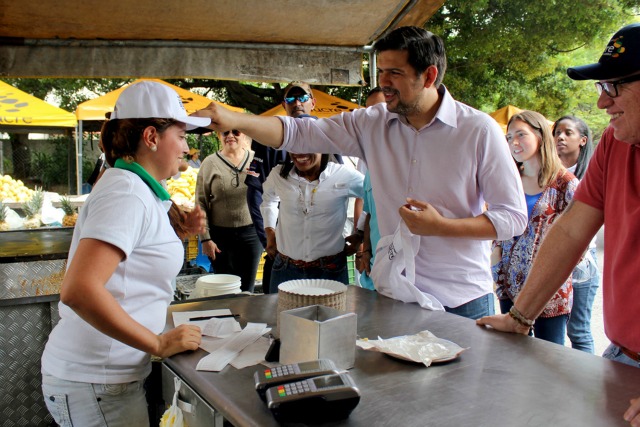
(231, 241)
(575, 148)
(123, 257)
(304, 208)
(548, 188)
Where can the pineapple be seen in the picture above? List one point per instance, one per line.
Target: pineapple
(32, 209)
(70, 214)
(3, 217)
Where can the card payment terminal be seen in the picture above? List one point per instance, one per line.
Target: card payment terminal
(323, 398)
(271, 377)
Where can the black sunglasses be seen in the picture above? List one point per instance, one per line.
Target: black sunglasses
(235, 132)
(611, 88)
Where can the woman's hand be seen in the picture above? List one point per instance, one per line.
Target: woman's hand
(210, 249)
(272, 246)
(182, 338)
(195, 221)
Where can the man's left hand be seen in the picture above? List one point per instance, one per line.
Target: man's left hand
(633, 413)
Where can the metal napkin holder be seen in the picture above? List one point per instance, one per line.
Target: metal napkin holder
(318, 332)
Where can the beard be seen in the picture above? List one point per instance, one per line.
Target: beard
(401, 107)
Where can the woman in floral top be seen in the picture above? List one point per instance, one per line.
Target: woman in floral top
(548, 188)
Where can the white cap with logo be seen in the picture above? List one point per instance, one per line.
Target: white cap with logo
(146, 99)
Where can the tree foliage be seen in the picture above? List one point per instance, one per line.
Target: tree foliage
(499, 52)
(516, 52)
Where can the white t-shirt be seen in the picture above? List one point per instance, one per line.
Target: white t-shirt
(123, 211)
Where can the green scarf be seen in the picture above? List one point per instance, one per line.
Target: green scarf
(154, 185)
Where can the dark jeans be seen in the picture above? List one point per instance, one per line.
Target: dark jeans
(550, 329)
(240, 253)
(284, 271)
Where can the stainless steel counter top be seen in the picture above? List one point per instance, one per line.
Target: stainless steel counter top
(45, 243)
(501, 380)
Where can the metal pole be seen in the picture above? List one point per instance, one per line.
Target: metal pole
(373, 69)
(79, 158)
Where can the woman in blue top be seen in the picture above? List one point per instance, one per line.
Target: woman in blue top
(548, 188)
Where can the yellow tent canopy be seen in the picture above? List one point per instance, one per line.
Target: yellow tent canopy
(95, 109)
(503, 115)
(326, 106)
(21, 111)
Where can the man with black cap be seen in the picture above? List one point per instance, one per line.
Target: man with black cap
(608, 195)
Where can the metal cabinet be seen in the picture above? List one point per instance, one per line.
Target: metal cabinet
(196, 412)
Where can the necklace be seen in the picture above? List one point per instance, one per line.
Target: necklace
(237, 170)
(306, 208)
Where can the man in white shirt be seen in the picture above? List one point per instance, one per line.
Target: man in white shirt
(435, 163)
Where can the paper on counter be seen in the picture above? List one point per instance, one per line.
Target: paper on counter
(253, 354)
(423, 347)
(219, 358)
(221, 328)
(182, 317)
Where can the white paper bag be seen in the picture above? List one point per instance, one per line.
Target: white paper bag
(394, 269)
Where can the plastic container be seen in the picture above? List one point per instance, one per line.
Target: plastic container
(213, 285)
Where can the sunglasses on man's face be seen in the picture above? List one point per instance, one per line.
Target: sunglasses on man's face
(235, 132)
(302, 98)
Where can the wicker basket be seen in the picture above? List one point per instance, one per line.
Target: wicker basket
(292, 298)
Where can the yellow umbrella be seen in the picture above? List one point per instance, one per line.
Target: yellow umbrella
(18, 108)
(326, 106)
(95, 109)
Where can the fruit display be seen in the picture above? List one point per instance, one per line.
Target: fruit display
(14, 190)
(70, 214)
(33, 209)
(3, 216)
(183, 189)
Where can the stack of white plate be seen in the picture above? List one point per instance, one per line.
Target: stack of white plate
(213, 285)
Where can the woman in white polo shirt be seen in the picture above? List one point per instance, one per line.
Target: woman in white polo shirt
(123, 257)
(307, 198)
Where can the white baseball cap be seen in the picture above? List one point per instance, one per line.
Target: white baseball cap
(146, 99)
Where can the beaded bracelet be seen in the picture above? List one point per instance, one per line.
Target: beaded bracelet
(518, 317)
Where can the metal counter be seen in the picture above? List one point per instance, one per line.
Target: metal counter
(501, 380)
(33, 262)
(32, 265)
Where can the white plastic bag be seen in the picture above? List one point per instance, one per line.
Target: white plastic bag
(50, 215)
(394, 269)
(172, 417)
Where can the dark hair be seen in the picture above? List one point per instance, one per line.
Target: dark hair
(288, 165)
(425, 49)
(372, 91)
(586, 150)
(119, 138)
